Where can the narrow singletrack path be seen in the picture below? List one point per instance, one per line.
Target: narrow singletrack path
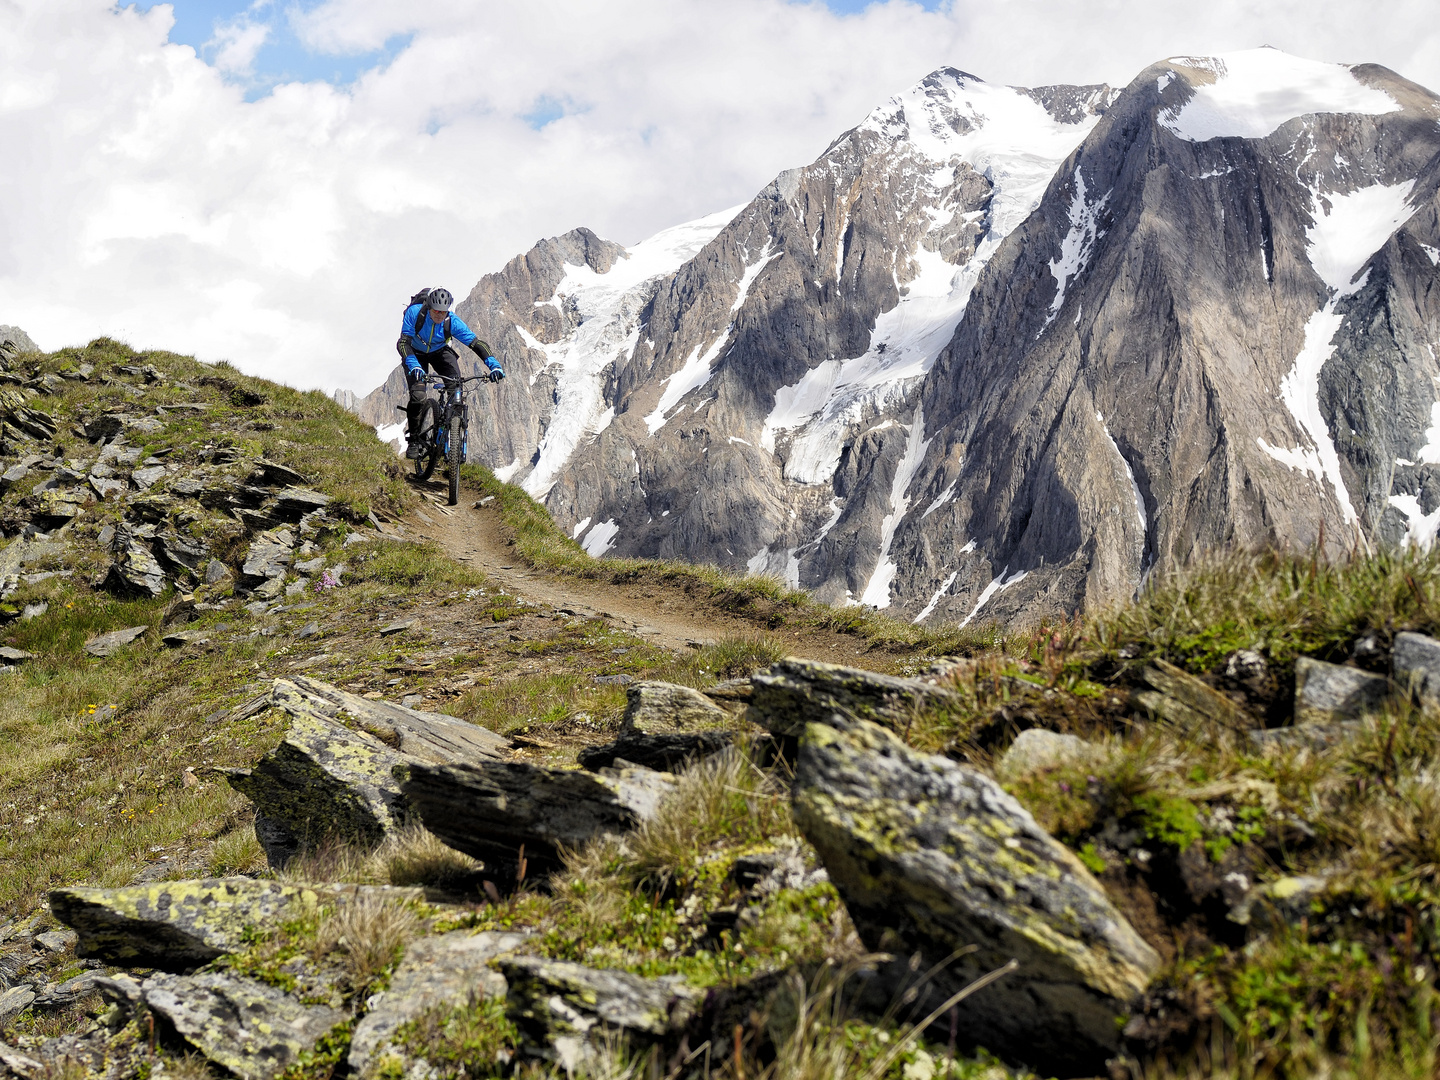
(662, 613)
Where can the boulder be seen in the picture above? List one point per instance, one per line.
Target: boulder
(1036, 750)
(15, 1001)
(182, 552)
(655, 707)
(451, 970)
(1328, 693)
(145, 479)
(176, 925)
(666, 752)
(665, 726)
(489, 809)
(1181, 698)
(57, 506)
(104, 645)
(106, 488)
(793, 693)
(567, 1008)
(14, 341)
(269, 556)
(932, 857)
(1415, 660)
(216, 572)
(246, 1026)
(272, 472)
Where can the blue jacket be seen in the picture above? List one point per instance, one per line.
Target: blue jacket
(426, 336)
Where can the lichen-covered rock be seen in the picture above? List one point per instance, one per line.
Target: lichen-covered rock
(1415, 659)
(566, 1007)
(794, 692)
(447, 970)
(328, 779)
(932, 857)
(489, 809)
(248, 1027)
(1328, 693)
(175, 924)
(654, 707)
(325, 780)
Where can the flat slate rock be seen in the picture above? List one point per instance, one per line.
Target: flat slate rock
(107, 644)
(446, 970)
(250, 1028)
(490, 809)
(13, 655)
(396, 627)
(665, 752)
(932, 857)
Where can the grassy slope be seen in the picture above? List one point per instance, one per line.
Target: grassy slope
(89, 796)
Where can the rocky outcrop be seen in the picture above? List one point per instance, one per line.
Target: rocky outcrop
(933, 857)
(250, 1028)
(329, 780)
(491, 809)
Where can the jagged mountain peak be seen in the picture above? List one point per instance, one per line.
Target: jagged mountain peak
(1004, 352)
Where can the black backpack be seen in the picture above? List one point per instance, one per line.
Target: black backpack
(420, 298)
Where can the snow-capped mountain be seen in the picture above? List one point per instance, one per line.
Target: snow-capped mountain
(1005, 351)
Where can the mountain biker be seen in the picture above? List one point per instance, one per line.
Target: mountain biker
(424, 345)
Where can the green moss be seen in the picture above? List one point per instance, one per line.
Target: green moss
(1170, 820)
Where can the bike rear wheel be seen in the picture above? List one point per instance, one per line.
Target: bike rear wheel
(429, 429)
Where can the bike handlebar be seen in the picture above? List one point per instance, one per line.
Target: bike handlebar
(443, 382)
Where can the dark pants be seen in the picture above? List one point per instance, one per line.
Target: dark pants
(443, 362)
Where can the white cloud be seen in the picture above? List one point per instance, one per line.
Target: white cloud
(236, 44)
(143, 197)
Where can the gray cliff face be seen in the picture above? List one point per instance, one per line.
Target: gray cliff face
(1002, 353)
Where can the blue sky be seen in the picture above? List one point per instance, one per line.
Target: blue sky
(283, 58)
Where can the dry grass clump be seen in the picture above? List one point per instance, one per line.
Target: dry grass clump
(369, 934)
(726, 800)
(412, 856)
(237, 852)
(417, 856)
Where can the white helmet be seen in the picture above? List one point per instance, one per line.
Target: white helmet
(440, 300)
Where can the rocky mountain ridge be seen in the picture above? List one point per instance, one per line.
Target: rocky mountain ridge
(1004, 352)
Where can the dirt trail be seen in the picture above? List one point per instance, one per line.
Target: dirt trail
(661, 613)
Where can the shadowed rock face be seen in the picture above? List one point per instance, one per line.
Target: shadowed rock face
(933, 857)
(1002, 353)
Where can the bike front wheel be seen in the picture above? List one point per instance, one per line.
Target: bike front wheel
(429, 430)
(455, 457)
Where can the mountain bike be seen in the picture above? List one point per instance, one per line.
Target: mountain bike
(445, 431)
